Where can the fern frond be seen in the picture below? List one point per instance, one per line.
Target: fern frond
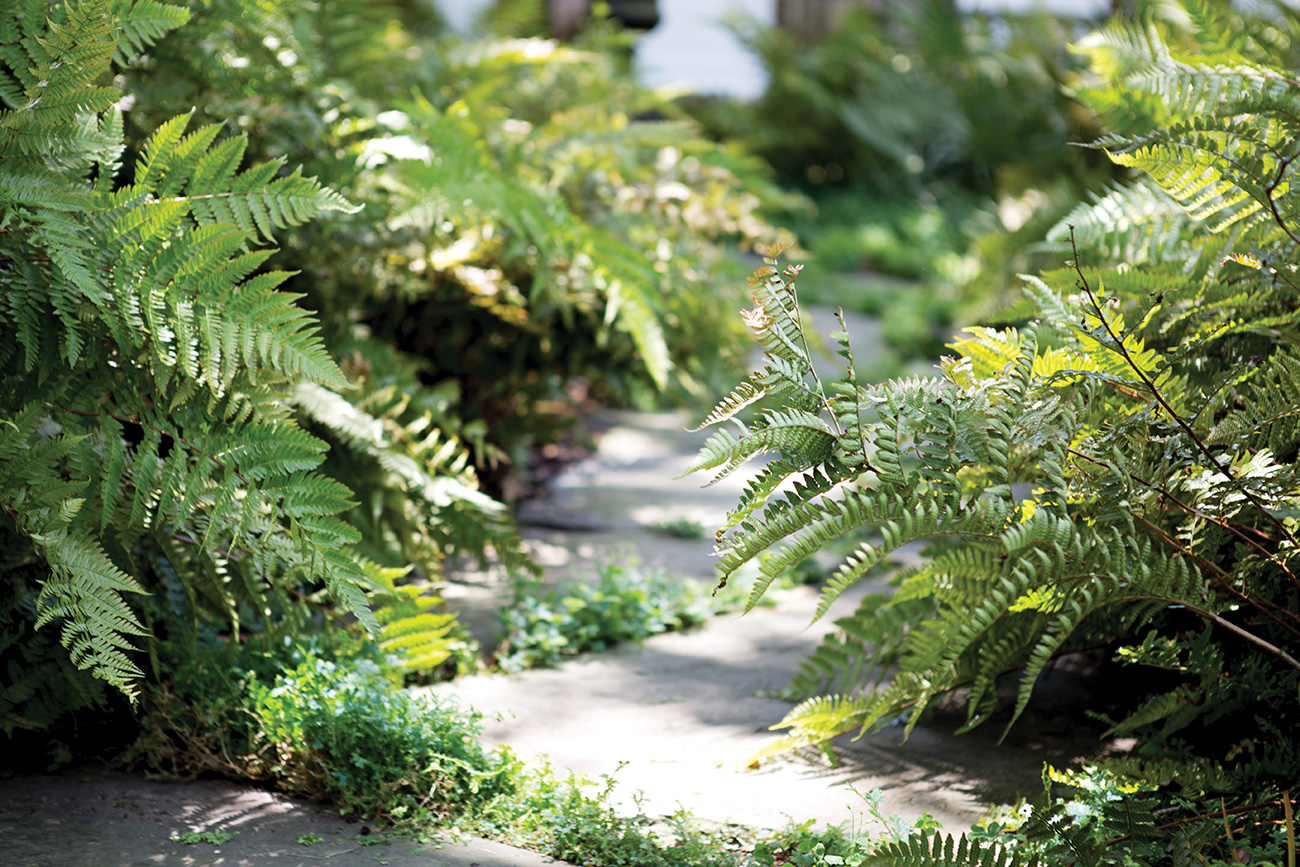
(932, 850)
(744, 395)
(57, 88)
(1136, 223)
(142, 23)
(84, 592)
(412, 626)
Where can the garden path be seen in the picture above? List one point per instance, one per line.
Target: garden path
(93, 817)
(682, 713)
(677, 719)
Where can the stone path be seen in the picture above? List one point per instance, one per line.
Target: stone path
(99, 818)
(677, 719)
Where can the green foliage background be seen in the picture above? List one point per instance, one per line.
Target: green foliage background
(936, 147)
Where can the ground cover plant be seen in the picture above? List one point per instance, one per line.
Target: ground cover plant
(1116, 476)
(624, 603)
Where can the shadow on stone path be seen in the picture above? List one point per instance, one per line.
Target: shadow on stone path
(677, 719)
(98, 818)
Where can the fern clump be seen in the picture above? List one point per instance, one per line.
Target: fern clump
(1115, 476)
(151, 363)
(528, 238)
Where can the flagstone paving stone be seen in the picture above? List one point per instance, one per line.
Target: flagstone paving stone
(677, 720)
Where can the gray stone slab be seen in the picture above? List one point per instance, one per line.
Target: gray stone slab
(677, 720)
(100, 818)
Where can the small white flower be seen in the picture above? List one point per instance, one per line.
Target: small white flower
(1080, 812)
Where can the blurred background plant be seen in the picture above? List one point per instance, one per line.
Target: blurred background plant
(537, 228)
(937, 147)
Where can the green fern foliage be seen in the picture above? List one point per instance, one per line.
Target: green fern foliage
(919, 849)
(415, 628)
(420, 495)
(147, 357)
(1122, 465)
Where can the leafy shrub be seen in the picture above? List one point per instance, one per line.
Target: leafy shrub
(347, 735)
(514, 206)
(198, 719)
(625, 604)
(1117, 477)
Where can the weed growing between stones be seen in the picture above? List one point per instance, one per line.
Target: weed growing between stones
(625, 603)
(344, 734)
(217, 837)
(680, 528)
(543, 625)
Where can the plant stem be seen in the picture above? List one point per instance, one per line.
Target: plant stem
(812, 368)
(1159, 398)
(1217, 814)
(1282, 166)
(1249, 636)
(1290, 828)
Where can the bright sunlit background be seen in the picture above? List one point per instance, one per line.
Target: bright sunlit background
(693, 49)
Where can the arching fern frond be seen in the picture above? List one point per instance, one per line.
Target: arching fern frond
(141, 23)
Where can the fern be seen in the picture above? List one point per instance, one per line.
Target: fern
(141, 23)
(149, 362)
(463, 175)
(424, 491)
(414, 626)
(921, 849)
(1128, 458)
